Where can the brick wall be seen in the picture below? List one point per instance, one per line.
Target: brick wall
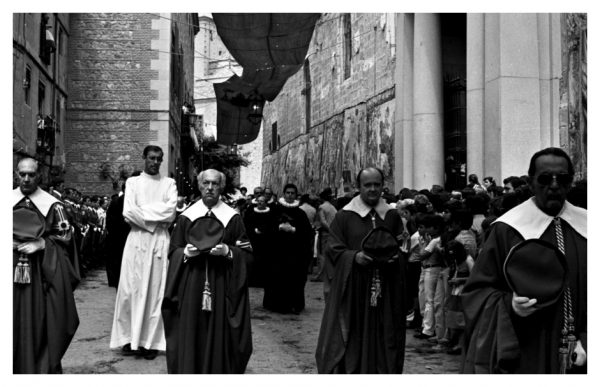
(119, 94)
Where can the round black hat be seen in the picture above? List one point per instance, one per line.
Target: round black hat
(536, 269)
(27, 224)
(205, 233)
(380, 244)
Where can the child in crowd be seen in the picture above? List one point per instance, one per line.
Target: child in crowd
(461, 265)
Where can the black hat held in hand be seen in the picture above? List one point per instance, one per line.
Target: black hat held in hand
(205, 233)
(27, 224)
(380, 244)
(536, 269)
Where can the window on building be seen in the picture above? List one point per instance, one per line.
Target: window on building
(307, 94)
(58, 113)
(41, 98)
(62, 45)
(27, 85)
(274, 137)
(347, 45)
(177, 73)
(47, 43)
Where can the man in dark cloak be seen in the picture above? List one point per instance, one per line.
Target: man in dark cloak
(356, 335)
(507, 332)
(260, 225)
(199, 340)
(44, 313)
(117, 231)
(287, 265)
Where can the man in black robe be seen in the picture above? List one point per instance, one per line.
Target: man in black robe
(208, 332)
(506, 332)
(117, 231)
(363, 330)
(287, 265)
(44, 312)
(260, 225)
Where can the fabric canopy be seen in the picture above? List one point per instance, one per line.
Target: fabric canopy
(270, 47)
(233, 107)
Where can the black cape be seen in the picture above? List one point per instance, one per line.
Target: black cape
(117, 231)
(355, 337)
(216, 342)
(44, 313)
(498, 340)
(261, 243)
(287, 266)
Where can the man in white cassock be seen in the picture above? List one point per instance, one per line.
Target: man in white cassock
(149, 208)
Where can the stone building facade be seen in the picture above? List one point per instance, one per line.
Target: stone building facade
(214, 64)
(429, 98)
(129, 77)
(40, 48)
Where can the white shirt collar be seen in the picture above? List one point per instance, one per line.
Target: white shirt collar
(221, 211)
(531, 222)
(358, 206)
(41, 199)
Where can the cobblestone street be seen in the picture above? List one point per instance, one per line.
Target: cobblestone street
(283, 344)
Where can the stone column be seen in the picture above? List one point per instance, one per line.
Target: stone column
(428, 156)
(475, 92)
(403, 140)
(550, 71)
(512, 93)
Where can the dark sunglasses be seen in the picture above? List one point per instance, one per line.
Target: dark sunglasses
(563, 179)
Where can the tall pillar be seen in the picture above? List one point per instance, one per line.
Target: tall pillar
(512, 93)
(475, 93)
(550, 72)
(428, 167)
(403, 141)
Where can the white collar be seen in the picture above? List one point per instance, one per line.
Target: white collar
(267, 209)
(531, 222)
(294, 204)
(358, 206)
(42, 200)
(221, 211)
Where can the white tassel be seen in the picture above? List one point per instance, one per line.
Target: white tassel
(22, 271)
(206, 295)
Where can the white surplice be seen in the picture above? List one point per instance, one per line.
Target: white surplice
(150, 202)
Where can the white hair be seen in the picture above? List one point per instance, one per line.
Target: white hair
(30, 159)
(222, 177)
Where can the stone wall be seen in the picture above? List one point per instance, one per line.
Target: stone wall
(351, 119)
(334, 151)
(573, 91)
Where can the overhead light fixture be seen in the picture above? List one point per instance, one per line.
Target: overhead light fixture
(256, 111)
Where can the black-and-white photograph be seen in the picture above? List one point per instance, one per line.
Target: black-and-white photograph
(299, 193)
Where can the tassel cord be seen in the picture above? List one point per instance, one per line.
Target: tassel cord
(206, 294)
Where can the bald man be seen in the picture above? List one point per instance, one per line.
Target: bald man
(44, 313)
(364, 323)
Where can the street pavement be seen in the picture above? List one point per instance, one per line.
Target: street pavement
(283, 344)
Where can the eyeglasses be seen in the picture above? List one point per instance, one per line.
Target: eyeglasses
(563, 179)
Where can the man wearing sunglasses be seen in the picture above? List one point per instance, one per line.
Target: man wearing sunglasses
(509, 332)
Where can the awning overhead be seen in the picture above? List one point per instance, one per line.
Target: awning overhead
(271, 47)
(233, 106)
